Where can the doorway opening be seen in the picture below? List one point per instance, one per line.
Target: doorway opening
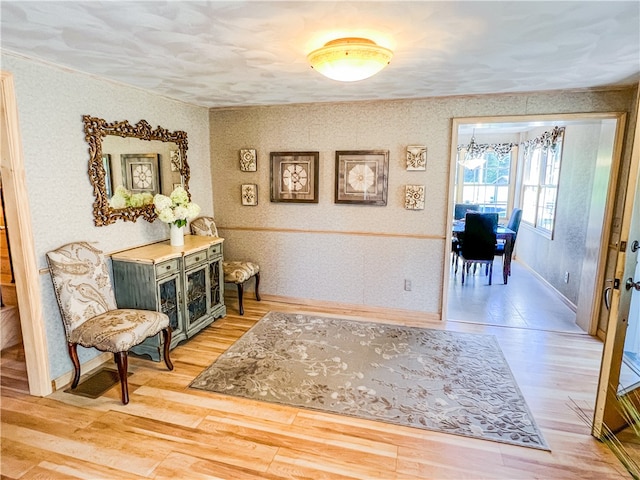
(565, 263)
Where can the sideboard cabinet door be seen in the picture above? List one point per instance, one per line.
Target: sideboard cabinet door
(152, 287)
(185, 284)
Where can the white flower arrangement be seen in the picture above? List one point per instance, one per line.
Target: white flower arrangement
(176, 208)
(123, 198)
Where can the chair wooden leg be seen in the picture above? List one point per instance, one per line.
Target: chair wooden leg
(257, 286)
(166, 335)
(73, 353)
(122, 362)
(240, 294)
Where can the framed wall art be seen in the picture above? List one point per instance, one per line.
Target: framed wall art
(294, 177)
(414, 197)
(249, 194)
(416, 157)
(140, 172)
(248, 160)
(362, 176)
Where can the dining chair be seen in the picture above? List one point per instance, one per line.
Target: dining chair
(89, 312)
(237, 272)
(461, 209)
(479, 242)
(513, 224)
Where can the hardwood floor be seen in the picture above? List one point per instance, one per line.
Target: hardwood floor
(171, 431)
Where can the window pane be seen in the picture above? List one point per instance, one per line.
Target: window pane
(488, 185)
(529, 203)
(547, 207)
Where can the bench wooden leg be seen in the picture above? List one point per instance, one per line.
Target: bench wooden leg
(240, 294)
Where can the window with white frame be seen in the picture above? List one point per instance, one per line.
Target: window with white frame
(487, 179)
(541, 176)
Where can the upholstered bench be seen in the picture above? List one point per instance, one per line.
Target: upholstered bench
(237, 272)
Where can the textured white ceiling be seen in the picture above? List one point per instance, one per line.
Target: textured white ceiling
(218, 54)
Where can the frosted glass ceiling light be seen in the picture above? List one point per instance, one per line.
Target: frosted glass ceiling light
(350, 59)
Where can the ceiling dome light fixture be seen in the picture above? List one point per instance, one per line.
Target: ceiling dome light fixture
(350, 59)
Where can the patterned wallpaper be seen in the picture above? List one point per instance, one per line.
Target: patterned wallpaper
(360, 254)
(51, 102)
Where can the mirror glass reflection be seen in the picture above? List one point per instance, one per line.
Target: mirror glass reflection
(140, 166)
(129, 164)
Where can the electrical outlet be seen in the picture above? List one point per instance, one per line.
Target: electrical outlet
(407, 285)
(566, 277)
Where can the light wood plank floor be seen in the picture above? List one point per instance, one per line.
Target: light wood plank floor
(170, 431)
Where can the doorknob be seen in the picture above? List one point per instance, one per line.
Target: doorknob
(631, 284)
(635, 246)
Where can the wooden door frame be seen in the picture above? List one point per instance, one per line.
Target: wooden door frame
(27, 277)
(617, 326)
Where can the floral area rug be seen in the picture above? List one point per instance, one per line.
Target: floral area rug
(449, 382)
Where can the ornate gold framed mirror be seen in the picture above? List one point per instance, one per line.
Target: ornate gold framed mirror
(136, 156)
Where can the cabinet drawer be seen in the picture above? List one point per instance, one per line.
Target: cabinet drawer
(195, 258)
(215, 250)
(165, 268)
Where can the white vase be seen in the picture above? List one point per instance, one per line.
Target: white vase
(177, 235)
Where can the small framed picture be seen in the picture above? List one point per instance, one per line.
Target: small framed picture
(248, 160)
(362, 177)
(414, 197)
(249, 194)
(294, 177)
(416, 157)
(140, 172)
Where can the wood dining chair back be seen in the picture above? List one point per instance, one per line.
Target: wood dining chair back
(479, 241)
(90, 315)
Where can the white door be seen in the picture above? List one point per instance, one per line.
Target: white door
(619, 372)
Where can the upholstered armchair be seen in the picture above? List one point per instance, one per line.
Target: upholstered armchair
(89, 312)
(237, 272)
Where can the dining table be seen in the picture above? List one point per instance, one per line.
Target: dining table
(502, 233)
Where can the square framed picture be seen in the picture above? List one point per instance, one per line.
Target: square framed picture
(248, 160)
(140, 172)
(362, 177)
(414, 197)
(416, 157)
(294, 177)
(249, 194)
